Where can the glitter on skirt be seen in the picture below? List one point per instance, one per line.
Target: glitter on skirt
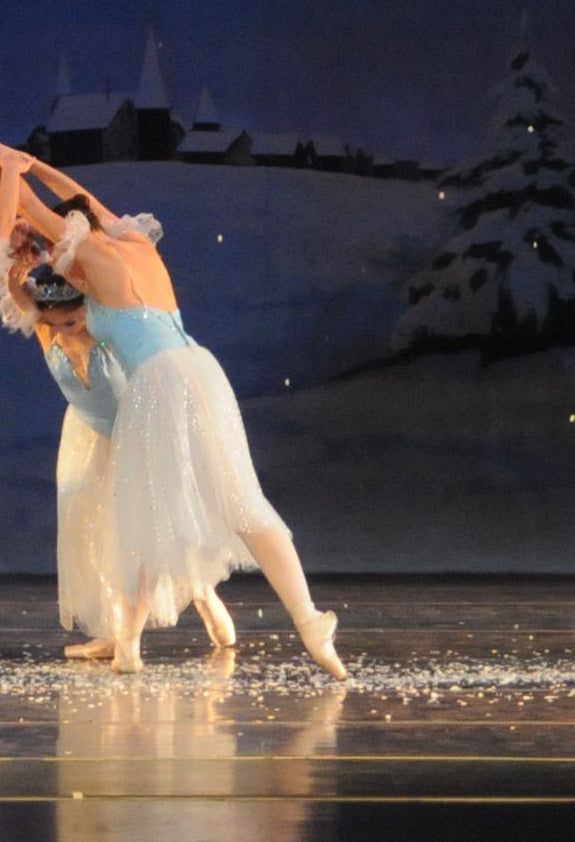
(180, 489)
(82, 475)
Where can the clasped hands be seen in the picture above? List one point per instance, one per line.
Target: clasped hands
(15, 159)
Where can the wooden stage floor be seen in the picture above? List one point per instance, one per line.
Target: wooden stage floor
(459, 713)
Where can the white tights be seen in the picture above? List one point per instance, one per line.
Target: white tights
(127, 648)
(277, 557)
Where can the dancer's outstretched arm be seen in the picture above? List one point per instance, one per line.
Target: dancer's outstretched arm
(63, 186)
(13, 164)
(15, 282)
(39, 215)
(16, 255)
(9, 193)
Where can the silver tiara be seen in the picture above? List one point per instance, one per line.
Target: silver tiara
(50, 292)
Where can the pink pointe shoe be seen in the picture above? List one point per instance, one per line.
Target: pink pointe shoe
(219, 625)
(127, 656)
(93, 650)
(318, 635)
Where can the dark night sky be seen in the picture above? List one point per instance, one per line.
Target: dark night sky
(405, 78)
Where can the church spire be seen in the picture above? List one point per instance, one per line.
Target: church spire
(63, 84)
(151, 91)
(206, 116)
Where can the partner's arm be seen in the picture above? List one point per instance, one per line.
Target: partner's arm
(65, 187)
(13, 164)
(39, 215)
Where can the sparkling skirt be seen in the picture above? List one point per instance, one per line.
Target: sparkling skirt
(82, 479)
(181, 487)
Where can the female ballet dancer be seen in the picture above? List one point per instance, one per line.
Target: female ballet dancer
(184, 505)
(91, 380)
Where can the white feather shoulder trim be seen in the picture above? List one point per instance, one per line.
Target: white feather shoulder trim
(77, 229)
(11, 315)
(143, 223)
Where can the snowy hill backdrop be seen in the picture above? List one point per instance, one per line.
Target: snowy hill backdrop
(433, 464)
(284, 274)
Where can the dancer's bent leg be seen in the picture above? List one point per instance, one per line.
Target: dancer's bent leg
(219, 625)
(276, 555)
(218, 622)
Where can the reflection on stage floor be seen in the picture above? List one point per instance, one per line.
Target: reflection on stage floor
(459, 708)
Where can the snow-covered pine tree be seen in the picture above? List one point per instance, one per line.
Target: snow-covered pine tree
(508, 278)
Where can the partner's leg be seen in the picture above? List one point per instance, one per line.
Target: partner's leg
(98, 648)
(219, 625)
(127, 648)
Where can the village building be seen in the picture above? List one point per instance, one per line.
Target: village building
(207, 142)
(89, 128)
(327, 153)
(200, 147)
(158, 133)
(406, 170)
(275, 150)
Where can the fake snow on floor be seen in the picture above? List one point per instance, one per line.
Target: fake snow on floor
(226, 674)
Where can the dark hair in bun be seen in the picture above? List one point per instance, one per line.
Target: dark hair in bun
(79, 202)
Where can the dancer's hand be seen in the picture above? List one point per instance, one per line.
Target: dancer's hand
(13, 158)
(23, 247)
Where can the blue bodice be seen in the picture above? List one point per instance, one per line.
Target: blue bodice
(135, 333)
(96, 404)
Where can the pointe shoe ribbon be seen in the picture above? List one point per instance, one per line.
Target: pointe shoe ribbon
(317, 636)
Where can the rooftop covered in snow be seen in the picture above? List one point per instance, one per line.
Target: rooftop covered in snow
(81, 112)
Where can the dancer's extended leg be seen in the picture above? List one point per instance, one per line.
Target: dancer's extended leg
(276, 555)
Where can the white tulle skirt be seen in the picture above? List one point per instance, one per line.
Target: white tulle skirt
(178, 492)
(82, 480)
